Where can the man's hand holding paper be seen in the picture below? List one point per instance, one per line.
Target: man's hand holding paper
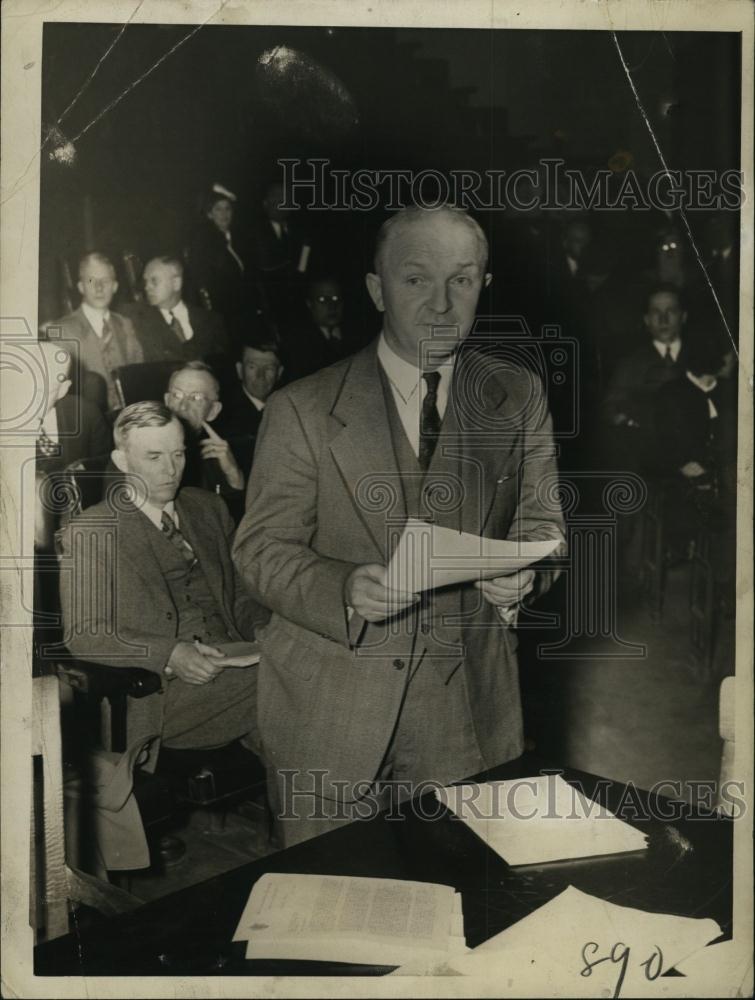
(507, 591)
(367, 591)
(428, 556)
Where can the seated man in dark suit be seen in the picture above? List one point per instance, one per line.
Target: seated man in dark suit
(71, 428)
(101, 340)
(630, 396)
(323, 338)
(193, 395)
(160, 591)
(694, 419)
(259, 372)
(167, 328)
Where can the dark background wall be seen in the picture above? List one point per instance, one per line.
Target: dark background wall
(471, 99)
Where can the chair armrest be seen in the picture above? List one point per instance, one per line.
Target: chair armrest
(102, 681)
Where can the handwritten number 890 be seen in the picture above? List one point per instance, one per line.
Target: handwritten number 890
(619, 955)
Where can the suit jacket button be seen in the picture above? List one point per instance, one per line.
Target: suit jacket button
(168, 614)
(399, 664)
(424, 628)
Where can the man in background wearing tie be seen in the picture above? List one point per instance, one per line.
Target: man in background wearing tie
(101, 340)
(193, 395)
(629, 402)
(323, 338)
(360, 684)
(167, 328)
(259, 371)
(148, 582)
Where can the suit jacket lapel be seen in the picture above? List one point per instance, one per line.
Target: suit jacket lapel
(204, 545)
(484, 437)
(362, 449)
(137, 548)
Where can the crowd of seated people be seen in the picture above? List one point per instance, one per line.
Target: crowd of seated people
(194, 357)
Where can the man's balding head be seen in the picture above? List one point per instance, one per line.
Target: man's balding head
(414, 214)
(429, 272)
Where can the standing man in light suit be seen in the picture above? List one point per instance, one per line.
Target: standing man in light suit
(359, 682)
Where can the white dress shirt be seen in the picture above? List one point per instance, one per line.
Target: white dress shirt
(155, 514)
(95, 317)
(257, 403)
(181, 313)
(675, 345)
(332, 333)
(50, 425)
(409, 389)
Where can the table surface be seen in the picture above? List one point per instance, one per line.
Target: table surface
(687, 870)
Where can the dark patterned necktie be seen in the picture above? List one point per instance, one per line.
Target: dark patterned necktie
(46, 447)
(176, 538)
(107, 330)
(668, 357)
(429, 421)
(175, 325)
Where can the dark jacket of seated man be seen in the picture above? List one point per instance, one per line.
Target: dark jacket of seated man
(147, 581)
(160, 341)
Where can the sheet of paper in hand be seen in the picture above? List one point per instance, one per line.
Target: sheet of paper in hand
(240, 654)
(428, 556)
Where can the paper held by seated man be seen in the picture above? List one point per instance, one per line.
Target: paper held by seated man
(429, 556)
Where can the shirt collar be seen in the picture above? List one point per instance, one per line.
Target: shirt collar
(155, 514)
(404, 377)
(95, 317)
(675, 345)
(179, 310)
(258, 403)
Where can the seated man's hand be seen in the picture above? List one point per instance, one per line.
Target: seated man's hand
(505, 591)
(192, 662)
(213, 446)
(366, 591)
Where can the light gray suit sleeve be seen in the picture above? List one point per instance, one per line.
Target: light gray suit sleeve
(539, 514)
(273, 547)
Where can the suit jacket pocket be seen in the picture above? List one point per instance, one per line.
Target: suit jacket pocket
(298, 651)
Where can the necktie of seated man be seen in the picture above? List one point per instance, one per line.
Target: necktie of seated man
(46, 447)
(668, 357)
(176, 538)
(429, 420)
(107, 330)
(176, 327)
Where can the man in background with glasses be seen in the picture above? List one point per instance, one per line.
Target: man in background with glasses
(193, 395)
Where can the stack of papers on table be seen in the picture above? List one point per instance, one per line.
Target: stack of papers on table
(367, 921)
(534, 820)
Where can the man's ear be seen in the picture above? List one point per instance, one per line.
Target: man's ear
(178, 282)
(118, 458)
(80, 286)
(240, 371)
(115, 288)
(684, 318)
(214, 410)
(375, 288)
(166, 399)
(487, 279)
